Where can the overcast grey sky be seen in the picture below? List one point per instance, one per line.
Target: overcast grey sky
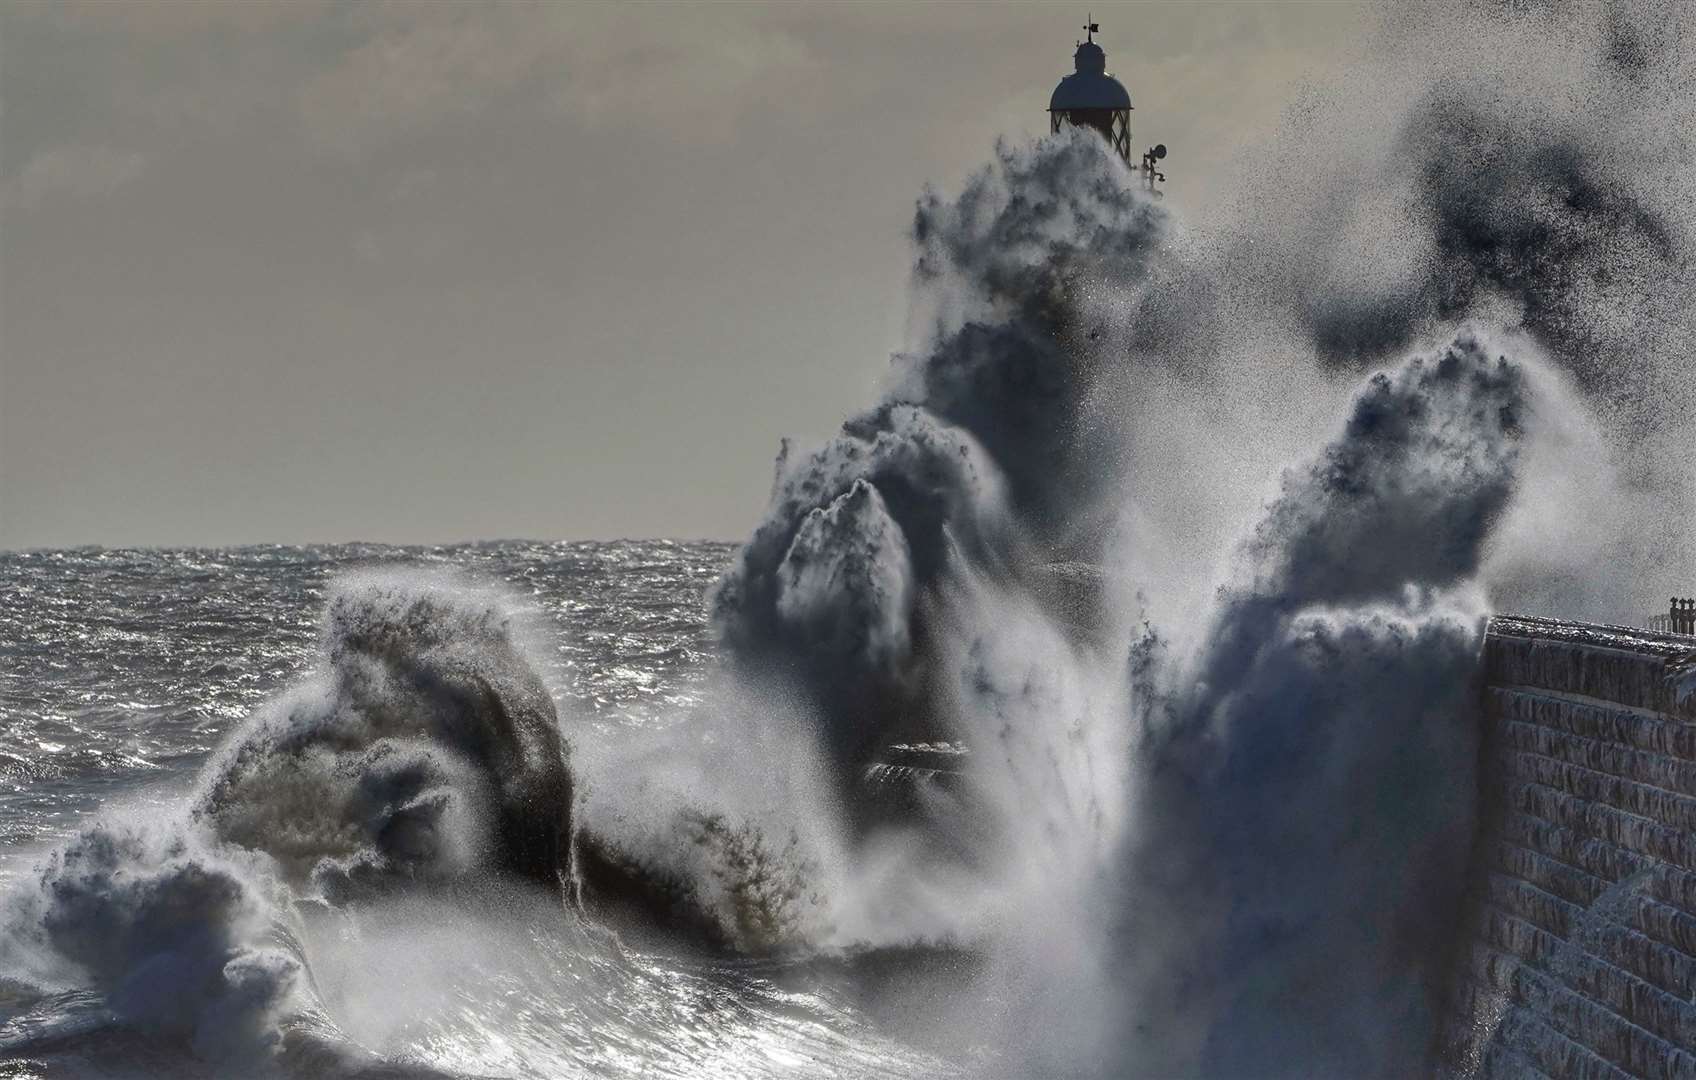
(430, 271)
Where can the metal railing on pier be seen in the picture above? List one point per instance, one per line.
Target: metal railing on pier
(1679, 619)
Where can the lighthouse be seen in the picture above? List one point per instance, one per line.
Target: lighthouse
(1089, 97)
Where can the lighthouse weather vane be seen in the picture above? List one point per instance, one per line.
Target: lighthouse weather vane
(1089, 97)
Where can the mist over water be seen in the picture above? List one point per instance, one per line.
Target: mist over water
(1172, 542)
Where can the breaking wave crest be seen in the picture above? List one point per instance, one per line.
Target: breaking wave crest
(425, 755)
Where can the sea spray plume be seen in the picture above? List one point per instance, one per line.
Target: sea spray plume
(847, 580)
(1524, 208)
(719, 830)
(1013, 269)
(1520, 164)
(982, 447)
(1307, 792)
(712, 880)
(1532, 161)
(1407, 496)
(1039, 818)
(1579, 511)
(428, 750)
(826, 590)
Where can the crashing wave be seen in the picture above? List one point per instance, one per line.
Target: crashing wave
(425, 754)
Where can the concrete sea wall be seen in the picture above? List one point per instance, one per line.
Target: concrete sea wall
(1577, 956)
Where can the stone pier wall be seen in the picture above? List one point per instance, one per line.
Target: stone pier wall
(1577, 957)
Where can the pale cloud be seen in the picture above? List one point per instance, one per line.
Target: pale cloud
(73, 171)
(691, 75)
(420, 64)
(173, 18)
(399, 247)
(695, 73)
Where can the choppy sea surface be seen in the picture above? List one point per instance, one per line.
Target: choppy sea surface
(122, 670)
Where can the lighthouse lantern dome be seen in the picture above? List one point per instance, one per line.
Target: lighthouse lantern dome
(1089, 97)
